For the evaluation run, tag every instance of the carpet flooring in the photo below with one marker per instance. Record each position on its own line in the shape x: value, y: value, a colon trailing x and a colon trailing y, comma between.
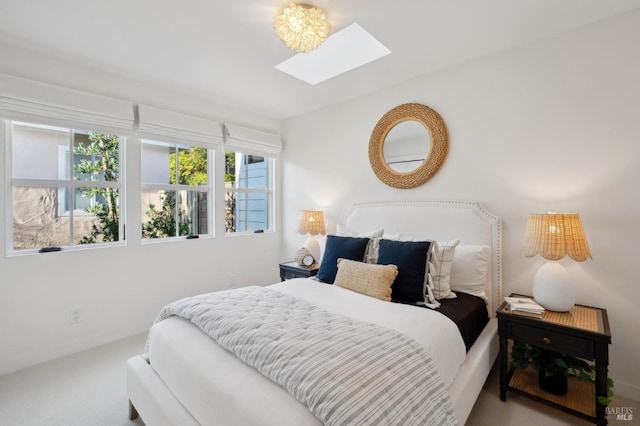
x: 89, y: 389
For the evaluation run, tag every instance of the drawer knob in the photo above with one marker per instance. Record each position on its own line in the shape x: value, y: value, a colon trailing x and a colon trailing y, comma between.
x: 546, y: 340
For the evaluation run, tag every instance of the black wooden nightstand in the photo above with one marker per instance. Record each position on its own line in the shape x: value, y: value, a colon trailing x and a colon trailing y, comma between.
x: 582, y: 332
x: 290, y: 270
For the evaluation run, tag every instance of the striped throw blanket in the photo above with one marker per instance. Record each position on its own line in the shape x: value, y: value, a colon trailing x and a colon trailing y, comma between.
x: 347, y: 372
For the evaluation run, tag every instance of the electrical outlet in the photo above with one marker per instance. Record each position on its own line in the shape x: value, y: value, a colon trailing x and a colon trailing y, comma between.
x: 75, y: 315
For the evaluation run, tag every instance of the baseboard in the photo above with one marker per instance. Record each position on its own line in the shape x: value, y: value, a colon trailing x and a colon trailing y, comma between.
x: 49, y: 354
x: 626, y: 389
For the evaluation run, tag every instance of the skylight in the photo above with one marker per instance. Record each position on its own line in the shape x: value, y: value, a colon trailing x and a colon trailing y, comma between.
x: 343, y: 51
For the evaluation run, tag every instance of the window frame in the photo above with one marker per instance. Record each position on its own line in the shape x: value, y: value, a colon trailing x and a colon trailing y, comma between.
x: 69, y: 184
x: 132, y: 123
x: 177, y: 187
x: 64, y: 154
x: 269, y: 191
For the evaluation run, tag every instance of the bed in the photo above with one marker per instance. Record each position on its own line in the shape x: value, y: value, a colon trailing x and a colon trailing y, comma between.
x: 189, y: 379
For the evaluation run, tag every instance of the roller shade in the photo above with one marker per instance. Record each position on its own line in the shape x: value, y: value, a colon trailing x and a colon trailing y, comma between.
x: 252, y: 141
x: 28, y: 100
x: 159, y: 124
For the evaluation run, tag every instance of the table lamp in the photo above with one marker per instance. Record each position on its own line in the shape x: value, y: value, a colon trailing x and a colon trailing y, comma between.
x: 553, y: 236
x: 311, y: 223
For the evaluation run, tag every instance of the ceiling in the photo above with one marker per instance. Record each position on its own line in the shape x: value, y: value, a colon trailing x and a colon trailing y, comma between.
x: 225, y: 51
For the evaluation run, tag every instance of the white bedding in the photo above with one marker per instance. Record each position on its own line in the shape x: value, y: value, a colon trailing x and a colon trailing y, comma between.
x: 240, y: 396
x: 435, y: 332
x: 210, y: 380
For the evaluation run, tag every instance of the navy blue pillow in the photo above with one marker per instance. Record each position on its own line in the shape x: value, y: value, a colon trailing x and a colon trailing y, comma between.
x: 411, y: 259
x: 351, y: 248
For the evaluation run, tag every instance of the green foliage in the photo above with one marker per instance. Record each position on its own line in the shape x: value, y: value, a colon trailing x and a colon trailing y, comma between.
x: 192, y: 169
x: 192, y: 164
x: 552, y: 362
x: 162, y: 223
x: 230, y: 167
x: 106, y: 230
x: 102, y: 165
x: 606, y: 400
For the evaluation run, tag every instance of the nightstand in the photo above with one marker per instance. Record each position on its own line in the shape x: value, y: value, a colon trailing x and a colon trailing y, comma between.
x: 290, y: 270
x: 582, y: 332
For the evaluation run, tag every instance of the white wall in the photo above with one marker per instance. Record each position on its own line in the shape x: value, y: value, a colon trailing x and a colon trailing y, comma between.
x: 551, y: 125
x: 120, y: 290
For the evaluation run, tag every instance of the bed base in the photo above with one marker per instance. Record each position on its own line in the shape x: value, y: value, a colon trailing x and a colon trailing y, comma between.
x: 150, y: 398
x: 133, y: 413
x: 469, y: 220
x: 474, y: 371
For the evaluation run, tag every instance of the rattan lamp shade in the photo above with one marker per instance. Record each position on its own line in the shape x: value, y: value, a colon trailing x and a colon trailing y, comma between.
x: 555, y: 235
x: 311, y: 222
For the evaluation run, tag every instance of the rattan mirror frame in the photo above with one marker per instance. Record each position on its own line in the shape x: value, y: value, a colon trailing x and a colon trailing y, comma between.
x: 434, y: 124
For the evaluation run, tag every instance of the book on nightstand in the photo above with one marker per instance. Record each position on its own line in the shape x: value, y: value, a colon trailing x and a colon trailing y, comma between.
x: 524, y: 306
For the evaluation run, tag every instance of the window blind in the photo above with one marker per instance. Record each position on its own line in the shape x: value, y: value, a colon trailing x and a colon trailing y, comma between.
x: 163, y: 125
x: 252, y: 141
x: 27, y: 100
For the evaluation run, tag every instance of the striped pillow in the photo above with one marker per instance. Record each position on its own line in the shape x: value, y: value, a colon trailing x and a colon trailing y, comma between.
x: 440, y: 268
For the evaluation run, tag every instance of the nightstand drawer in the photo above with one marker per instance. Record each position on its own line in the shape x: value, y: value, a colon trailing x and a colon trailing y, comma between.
x: 287, y: 275
x: 290, y: 270
x: 560, y: 342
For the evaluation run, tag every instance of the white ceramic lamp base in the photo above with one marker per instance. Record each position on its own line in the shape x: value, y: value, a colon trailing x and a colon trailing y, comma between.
x: 552, y: 288
x: 313, y: 246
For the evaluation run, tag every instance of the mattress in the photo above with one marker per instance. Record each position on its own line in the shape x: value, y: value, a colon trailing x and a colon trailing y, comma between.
x: 209, y: 381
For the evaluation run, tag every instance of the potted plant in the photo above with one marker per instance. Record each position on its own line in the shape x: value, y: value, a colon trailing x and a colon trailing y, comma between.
x: 554, y: 368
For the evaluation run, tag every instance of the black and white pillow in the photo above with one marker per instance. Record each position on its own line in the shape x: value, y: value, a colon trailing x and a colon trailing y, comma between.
x: 440, y: 268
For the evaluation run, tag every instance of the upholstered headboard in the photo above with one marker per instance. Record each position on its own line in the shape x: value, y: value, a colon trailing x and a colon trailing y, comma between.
x: 468, y: 221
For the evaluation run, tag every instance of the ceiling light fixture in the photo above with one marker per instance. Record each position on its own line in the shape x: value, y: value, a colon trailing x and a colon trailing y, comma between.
x: 302, y: 27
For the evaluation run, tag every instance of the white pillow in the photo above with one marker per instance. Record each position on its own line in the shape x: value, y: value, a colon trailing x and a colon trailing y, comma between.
x: 469, y: 270
x: 371, y: 253
x: 397, y: 237
x: 440, y: 268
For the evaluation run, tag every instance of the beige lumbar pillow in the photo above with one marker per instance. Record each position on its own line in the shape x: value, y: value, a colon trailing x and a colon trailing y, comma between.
x: 366, y: 278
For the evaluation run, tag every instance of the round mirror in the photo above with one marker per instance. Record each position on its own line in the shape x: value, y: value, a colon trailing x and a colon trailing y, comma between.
x: 408, y: 145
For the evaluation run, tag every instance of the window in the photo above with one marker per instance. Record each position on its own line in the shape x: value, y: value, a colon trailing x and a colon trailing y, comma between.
x: 65, y: 186
x: 248, y: 193
x: 176, y: 188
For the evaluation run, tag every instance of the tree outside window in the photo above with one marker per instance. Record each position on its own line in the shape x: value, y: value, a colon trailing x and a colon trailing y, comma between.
x: 64, y: 186
x: 175, y: 180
